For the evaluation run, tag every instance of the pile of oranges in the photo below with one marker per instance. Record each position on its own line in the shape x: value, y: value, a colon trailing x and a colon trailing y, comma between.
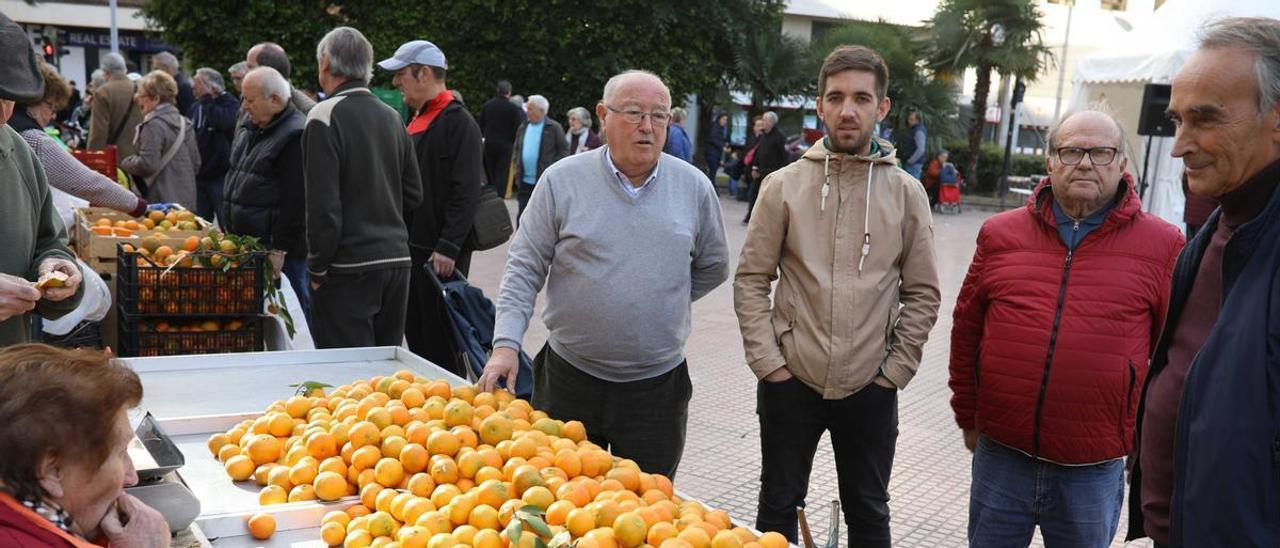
x: 436, y: 466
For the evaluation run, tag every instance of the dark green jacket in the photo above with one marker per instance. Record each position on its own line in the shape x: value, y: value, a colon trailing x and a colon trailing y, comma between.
x: 30, y: 229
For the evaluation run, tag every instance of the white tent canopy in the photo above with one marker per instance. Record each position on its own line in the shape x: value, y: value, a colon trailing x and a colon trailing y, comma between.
x: 1153, y: 53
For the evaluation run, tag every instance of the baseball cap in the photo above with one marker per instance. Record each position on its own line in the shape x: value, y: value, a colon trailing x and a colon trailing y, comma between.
x: 421, y: 52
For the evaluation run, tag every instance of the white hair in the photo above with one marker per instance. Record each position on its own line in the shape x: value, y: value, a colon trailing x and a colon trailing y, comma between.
x: 96, y: 79
x: 772, y: 117
x: 166, y: 61
x: 539, y: 102
x: 1259, y: 36
x: 113, y: 65
x: 241, y: 68
x: 273, y: 83
x: 350, y: 54
x: 583, y: 115
x: 211, y: 78
x: 617, y: 80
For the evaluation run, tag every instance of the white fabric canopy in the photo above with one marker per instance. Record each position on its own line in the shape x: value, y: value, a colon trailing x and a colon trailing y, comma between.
x: 1153, y: 53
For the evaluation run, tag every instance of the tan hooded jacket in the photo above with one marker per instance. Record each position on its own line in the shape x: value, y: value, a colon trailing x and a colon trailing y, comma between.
x: 858, y: 290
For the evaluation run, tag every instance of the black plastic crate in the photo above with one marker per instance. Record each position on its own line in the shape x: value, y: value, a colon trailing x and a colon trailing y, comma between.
x: 147, y: 288
x: 142, y: 336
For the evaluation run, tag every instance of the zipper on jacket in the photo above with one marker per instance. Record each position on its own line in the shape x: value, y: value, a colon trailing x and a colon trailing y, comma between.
x: 1053, y: 341
x: 1128, y: 399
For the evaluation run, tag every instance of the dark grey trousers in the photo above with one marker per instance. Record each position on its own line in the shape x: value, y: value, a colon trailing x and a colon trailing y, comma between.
x: 361, y: 309
x: 642, y: 420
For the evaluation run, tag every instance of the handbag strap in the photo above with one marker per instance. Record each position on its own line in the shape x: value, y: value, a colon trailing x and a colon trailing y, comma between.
x: 177, y: 143
x: 115, y: 134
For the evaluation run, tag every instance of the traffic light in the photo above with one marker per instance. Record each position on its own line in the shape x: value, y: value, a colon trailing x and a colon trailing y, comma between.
x: 49, y: 49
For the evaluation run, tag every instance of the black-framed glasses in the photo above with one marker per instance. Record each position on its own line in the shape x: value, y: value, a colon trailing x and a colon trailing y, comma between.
x: 1099, y: 156
x: 658, y: 118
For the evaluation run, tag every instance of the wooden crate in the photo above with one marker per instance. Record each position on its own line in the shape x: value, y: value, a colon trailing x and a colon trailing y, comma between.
x: 100, y: 250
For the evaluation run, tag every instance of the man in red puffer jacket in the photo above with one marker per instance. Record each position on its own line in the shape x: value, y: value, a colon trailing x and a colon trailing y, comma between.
x: 1052, y: 334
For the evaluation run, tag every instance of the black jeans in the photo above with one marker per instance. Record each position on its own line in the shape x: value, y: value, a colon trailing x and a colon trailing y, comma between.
x: 360, y: 309
x: 523, y: 192
x: 641, y: 420
x: 864, y: 431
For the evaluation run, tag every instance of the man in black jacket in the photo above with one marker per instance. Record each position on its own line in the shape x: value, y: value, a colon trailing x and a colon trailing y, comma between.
x: 214, y: 120
x: 357, y: 192
x: 266, y: 193
x: 448, y: 145
x: 499, y: 120
x: 771, y: 155
x: 167, y: 62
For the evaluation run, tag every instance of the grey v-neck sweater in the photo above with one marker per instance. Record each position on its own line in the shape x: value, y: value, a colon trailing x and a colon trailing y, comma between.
x: 620, y: 271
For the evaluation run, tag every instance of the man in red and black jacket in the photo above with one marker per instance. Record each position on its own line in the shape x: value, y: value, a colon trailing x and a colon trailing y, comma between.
x: 450, y: 153
x: 1052, y: 333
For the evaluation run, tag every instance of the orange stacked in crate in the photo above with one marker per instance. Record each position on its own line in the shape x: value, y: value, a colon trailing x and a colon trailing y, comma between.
x: 204, y: 296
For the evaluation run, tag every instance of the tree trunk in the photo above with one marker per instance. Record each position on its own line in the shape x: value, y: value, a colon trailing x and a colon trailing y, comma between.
x: 980, y: 92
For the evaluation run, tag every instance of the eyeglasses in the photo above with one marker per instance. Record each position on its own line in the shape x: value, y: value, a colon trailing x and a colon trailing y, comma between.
x: 1099, y: 156
x: 637, y: 116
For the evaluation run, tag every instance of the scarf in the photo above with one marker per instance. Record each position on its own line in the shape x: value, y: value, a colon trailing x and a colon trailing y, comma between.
x: 429, y: 111
x: 577, y: 140
x: 51, y: 512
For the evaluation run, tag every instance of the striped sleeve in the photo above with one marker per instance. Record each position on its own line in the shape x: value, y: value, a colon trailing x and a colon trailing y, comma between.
x: 69, y: 175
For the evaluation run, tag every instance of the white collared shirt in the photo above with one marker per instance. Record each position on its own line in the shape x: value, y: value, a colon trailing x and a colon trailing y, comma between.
x: 632, y: 190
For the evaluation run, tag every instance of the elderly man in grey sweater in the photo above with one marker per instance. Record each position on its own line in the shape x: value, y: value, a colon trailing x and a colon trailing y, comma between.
x: 624, y: 238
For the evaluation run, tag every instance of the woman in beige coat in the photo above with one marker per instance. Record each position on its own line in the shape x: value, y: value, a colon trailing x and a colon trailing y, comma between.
x: 167, y: 158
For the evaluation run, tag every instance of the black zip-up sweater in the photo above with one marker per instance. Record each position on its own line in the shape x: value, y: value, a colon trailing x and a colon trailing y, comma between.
x: 361, y: 176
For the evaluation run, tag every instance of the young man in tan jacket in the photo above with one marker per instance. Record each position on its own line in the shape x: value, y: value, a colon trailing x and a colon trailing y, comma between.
x: 851, y: 235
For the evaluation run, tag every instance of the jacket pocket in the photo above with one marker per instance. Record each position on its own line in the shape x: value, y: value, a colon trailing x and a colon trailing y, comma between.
x: 894, y: 312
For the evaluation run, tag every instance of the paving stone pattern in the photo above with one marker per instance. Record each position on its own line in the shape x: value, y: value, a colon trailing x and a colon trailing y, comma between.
x: 721, y: 466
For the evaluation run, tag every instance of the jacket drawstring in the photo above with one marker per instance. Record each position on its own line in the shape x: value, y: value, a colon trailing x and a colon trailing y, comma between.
x: 826, y: 182
x: 866, y: 222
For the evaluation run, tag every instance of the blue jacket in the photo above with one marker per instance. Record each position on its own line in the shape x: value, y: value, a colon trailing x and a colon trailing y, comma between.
x: 678, y: 143
x: 1226, y: 484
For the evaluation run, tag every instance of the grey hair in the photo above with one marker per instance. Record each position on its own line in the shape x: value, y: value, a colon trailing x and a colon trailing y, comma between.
x: 677, y: 115
x: 212, y: 79
x: 350, y: 54
x: 96, y: 79
x: 1052, y: 136
x: 113, y: 65
x: 273, y: 83
x: 772, y: 117
x: 1259, y: 36
x: 539, y: 102
x: 241, y: 68
x: 165, y: 60
x: 583, y: 114
x: 518, y: 100
x: 616, y: 81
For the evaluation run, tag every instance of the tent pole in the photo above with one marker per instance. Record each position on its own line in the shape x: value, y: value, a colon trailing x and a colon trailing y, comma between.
x: 1146, y: 157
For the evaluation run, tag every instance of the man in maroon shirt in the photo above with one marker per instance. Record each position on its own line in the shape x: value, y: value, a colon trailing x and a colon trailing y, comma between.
x: 1208, y: 457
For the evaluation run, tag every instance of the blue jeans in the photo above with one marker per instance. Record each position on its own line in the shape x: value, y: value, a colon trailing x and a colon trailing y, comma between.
x: 295, y: 268
x: 1011, y: 493
x: 914, y: 169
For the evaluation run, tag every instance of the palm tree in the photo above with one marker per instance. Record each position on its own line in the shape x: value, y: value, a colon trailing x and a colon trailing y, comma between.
x: 1003, y: 35
x: 772, y: 66
x: 911, y: 87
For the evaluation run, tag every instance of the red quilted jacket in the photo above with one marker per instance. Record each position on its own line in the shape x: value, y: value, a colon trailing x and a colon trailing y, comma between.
x: 1049, y: 350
